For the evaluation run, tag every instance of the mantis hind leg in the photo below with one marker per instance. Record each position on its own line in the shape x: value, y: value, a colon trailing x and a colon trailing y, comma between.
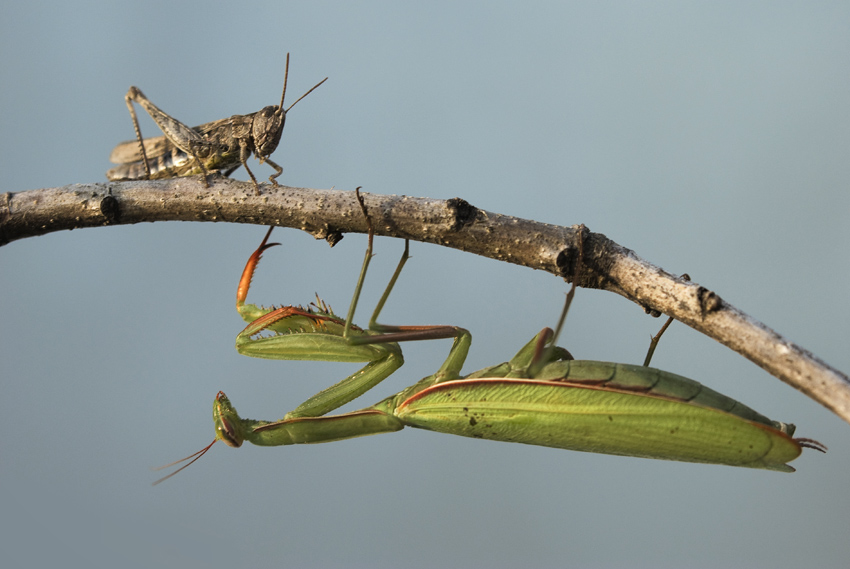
x: 653, y: 343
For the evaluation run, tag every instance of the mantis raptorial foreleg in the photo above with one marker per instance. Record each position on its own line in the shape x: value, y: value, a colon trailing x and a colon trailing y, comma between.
x: 542, y: 396
x: 316, y: 333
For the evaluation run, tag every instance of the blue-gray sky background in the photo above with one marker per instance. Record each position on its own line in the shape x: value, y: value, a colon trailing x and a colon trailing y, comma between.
x: 711, y: 138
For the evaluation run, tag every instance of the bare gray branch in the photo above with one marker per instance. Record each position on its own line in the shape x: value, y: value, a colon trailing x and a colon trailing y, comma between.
x: 327, y: 214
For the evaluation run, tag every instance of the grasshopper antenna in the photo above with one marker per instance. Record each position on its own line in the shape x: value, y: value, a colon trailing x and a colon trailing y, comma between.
x: 305, y: 94
x: 285, y: 77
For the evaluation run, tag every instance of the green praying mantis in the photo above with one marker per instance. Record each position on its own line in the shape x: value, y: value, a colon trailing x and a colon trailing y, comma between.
x: 542, y: 396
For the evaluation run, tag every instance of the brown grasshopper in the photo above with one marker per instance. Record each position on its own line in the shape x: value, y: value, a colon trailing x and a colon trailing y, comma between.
x: 221, y: 145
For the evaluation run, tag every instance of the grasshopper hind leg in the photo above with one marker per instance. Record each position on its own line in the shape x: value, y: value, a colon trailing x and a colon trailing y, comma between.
x: 133, y: 94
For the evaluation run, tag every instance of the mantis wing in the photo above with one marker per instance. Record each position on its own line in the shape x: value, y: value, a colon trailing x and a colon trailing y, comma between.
x: 597, y: 419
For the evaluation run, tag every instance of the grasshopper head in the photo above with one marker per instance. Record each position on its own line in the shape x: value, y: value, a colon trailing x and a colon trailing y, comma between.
x: 228, y: 425
x: 267, y: 128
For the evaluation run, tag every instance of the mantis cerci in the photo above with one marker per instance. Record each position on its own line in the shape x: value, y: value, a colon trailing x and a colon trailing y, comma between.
x: 542, y: 396
x: 221, y: 145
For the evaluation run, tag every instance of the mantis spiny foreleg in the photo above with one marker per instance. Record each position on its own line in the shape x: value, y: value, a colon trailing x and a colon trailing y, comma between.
x: 316, y: 333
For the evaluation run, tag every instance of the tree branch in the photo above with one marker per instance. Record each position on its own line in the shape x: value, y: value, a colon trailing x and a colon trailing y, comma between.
x: 327, y: 214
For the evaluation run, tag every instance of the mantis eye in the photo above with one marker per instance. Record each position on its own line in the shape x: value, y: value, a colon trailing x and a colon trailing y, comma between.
x: 225, y: 432
x: 228, y: 425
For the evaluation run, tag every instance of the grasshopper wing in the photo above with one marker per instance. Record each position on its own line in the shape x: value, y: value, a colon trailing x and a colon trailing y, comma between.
x: 128, y: 151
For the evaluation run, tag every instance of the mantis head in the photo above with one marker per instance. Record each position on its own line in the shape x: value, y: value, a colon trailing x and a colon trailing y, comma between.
x: 228, y: 428
x: 228, y: 425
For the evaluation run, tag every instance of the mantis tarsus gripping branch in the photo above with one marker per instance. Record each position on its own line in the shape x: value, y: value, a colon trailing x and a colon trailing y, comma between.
x: 542, y: 396
x: 222, y: 145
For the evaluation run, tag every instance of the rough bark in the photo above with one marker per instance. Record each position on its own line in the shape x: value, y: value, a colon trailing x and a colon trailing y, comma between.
x: 455, y: 223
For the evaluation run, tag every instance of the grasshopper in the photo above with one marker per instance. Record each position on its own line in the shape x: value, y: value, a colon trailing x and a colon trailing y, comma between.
x: 221, y: 145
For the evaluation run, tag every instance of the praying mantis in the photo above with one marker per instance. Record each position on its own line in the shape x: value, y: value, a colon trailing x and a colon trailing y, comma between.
x: 542, y: 396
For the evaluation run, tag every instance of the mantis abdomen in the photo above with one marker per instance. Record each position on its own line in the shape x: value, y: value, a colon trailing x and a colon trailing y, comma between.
x: 617, y: 409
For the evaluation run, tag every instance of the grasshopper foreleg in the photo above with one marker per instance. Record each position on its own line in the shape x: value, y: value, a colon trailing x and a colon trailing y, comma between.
x: 244, y: 154
x: 245, y: 149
